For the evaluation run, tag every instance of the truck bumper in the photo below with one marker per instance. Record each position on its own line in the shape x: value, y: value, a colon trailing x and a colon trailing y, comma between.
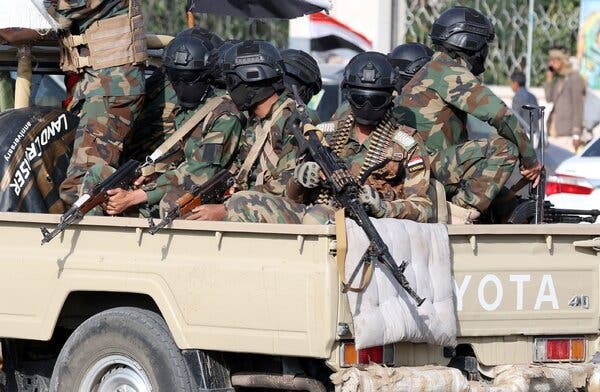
x: 505, y: 378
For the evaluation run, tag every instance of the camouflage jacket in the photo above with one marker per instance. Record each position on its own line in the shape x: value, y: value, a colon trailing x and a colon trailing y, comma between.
x: 443, y: 92
x: 276, y: 174
x: 156, y: 121
x: 402, y: 182
x: 109, y: 82
x: 211, y: 146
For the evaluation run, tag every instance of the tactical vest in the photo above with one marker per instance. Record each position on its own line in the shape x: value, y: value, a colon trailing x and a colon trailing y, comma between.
x: 111, y: 42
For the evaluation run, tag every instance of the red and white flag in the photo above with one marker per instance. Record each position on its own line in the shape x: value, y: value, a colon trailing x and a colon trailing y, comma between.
x: 328, y: 33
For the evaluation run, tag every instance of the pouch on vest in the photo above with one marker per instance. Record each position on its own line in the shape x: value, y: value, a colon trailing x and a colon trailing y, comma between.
x: 114, y: 41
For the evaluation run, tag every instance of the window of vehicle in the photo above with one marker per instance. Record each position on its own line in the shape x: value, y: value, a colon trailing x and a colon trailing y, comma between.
x: 326, y: 101
x: 593, y: 150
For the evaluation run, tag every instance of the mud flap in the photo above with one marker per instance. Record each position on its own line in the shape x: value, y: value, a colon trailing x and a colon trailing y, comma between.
x: 208, y: 371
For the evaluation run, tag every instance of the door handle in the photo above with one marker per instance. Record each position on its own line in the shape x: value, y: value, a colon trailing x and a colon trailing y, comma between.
x: 594, y: 243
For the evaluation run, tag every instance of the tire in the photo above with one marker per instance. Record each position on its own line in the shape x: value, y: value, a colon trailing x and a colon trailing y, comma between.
x: 121, y: 347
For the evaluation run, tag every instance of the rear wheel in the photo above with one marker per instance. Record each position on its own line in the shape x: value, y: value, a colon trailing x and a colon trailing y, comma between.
x: 121, y: 350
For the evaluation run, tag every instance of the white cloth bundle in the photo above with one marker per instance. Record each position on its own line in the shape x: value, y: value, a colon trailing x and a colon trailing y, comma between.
x: 384, y: 313
x: 30, y: 14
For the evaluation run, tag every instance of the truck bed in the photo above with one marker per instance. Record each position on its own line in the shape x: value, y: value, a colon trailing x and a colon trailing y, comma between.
x: 273, y: 289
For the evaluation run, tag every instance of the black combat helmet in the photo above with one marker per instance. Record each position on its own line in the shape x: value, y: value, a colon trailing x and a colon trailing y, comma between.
x: 211, y: 40
x: 368, y: 85
x: 253, y: 72
x: 407, y: 60
x: 184, y: 60
x: 302, y: 70
x: 214, y: 40
x: 215, y: 62
x: 466, y: 32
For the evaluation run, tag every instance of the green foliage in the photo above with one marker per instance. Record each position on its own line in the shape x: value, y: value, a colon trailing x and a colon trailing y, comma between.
x: 560, y: 28
x: 169, y: 17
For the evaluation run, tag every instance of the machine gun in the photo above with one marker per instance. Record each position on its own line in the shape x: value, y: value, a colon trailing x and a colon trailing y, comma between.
x: 536, y: 210
x: 123, y: 177
x: 563, y: 215
x: 525, y: 213
x: 211, y: 192
x: 345, y: 189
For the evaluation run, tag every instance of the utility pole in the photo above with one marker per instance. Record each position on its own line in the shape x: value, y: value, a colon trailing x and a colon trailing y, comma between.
x: 529, y: 43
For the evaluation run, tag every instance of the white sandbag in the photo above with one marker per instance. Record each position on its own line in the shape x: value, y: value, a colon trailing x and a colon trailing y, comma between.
x: 375, y: 378
x: 384, y: 313
x: 30, y: 14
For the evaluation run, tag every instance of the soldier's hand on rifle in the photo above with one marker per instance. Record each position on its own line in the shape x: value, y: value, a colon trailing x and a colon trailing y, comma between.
x: 120, y: 199
x: 533, y: 173
x: 370, y: 198
x: 208, y: 212
x: 141, y: 180
x: 308, y: 174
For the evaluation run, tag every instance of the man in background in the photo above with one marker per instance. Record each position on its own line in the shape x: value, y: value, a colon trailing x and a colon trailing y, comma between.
x: 523, y: 97
x: 565, y: 88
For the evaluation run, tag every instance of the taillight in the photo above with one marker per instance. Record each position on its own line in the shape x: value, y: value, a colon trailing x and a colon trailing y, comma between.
x: 349, y: 356
x: 561, y: 183
x: 559, y: 349
x: 371, y: 354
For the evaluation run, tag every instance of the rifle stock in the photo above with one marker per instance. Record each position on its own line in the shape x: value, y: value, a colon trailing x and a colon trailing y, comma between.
x: 121, y: 178
x: 187, y: 203
x: 211, y: 192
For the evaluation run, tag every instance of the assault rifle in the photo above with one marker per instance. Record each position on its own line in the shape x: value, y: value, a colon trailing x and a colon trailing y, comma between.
x: 532, y: 210
x: 345, y: 189
x: 121, y: 178
x: 211, y: 192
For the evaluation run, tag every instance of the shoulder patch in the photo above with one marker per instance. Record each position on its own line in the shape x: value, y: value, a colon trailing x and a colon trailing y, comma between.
x: 326, y: 127
x: 415, y: 164
x: 405, y: 141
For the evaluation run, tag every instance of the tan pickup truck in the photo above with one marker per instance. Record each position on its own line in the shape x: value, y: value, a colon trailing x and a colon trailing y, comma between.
x: 219, y: 306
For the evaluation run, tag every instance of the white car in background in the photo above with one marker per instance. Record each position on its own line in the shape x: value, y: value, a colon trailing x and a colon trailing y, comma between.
x: 576, y: 181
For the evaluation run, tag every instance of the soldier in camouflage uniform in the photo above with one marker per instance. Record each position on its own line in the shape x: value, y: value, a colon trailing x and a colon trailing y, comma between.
x: 302, y: 71
x: 443, y: 92
x: 407, y: 59
x: 215, y: 61
x: 106, y: 45
x: 156, y: 121
x: 214, y: 139
x: 387, y: 157
x: 254, y: 77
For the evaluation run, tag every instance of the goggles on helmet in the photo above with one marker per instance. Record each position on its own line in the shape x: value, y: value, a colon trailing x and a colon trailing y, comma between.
x: 360, y: 97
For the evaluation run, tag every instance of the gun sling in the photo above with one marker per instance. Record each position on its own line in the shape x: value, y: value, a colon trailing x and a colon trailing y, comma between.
x: 179, y: 134
x: 342, y: 249
x: 262, y: 135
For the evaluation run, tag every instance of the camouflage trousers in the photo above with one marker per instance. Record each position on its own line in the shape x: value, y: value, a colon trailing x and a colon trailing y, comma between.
x: 104, y: 124
x: 474, y: 172
x: 98, y: 173
x: 257, y: 207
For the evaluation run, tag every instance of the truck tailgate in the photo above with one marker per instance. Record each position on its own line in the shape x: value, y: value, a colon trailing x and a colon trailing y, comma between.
x: 525, y: 279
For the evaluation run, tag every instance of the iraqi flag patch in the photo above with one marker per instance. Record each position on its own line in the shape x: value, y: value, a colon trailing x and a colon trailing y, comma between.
x: 416, y: 163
